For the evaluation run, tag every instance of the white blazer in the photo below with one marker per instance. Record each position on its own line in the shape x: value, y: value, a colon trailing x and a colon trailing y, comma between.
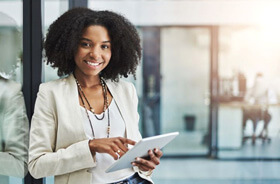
x: 58, y: 144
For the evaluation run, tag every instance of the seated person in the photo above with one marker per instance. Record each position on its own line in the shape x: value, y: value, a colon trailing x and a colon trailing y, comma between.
x: 256, y: 108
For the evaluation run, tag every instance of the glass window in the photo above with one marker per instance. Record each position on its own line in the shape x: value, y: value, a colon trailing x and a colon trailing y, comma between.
x: 185, y: 68
x: 51, y: 11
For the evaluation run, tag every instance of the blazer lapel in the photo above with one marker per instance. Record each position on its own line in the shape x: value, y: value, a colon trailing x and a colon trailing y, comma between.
x: 116, y: 93
x: 74, y: 105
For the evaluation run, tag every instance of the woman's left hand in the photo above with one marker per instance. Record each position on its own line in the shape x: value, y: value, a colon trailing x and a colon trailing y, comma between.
x: 150, y: 163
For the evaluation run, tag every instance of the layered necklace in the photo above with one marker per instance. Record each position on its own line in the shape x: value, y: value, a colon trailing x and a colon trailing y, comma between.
x: 106, y: 105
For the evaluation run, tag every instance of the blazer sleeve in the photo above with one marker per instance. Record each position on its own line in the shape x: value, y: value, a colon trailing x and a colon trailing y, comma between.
x: 135, y: 108
x: 44, y: 159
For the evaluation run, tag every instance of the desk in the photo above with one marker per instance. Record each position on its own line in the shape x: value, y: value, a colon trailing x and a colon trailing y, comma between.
x: 230, y: 125
x: 230, y: 116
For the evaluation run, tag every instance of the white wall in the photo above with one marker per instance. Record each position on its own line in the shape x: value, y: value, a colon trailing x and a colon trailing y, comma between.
x: 198, y: 12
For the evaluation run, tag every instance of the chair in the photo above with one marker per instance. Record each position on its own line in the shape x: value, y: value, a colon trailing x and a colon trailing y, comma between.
x: 256, y: 113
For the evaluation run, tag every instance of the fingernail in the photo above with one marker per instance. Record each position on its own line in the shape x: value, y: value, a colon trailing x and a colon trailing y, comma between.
x: 133, y: 163
x: 138, y: 159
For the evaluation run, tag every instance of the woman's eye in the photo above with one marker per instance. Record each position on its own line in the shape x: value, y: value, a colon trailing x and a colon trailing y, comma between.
x: 84, y: 44
x: 105, y: 47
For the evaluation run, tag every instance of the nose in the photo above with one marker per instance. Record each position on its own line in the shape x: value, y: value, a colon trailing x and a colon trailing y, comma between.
x: 95, y: 53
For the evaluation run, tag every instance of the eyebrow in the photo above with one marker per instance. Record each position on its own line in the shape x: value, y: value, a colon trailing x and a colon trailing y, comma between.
x: 91, y: 41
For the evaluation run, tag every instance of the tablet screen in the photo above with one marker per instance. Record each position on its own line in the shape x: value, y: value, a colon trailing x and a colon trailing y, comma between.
x: 141, y: 150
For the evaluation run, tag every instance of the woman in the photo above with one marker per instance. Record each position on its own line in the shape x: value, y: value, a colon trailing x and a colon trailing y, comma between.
x: 84, y: 122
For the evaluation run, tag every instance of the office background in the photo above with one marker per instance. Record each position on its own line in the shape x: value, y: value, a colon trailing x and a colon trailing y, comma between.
x: 200, y: 59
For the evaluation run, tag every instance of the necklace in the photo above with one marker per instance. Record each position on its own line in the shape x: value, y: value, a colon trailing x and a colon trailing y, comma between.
x: 106, y: 105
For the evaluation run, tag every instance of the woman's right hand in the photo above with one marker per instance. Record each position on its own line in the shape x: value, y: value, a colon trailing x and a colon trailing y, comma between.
x: 116, y: 146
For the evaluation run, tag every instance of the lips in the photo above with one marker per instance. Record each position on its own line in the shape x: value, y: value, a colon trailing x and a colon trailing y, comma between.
x: 92, y: 63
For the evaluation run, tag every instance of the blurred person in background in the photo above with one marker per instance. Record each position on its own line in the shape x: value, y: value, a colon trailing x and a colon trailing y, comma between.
x: 13, y: 120
x: 256, y: 109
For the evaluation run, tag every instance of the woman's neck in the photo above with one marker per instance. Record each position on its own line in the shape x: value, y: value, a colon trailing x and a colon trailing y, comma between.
x: 86, y: 80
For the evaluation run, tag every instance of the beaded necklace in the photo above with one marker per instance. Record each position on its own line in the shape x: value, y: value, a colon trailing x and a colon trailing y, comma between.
x: 106, y: 105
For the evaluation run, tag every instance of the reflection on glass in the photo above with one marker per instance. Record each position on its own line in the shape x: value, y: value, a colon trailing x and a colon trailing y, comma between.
x: 249, y: 110
x: 13, y: 120
x: 185, y: 67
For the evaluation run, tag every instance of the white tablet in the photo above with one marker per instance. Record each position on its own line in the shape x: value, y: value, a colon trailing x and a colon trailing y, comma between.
x: 141, y: 150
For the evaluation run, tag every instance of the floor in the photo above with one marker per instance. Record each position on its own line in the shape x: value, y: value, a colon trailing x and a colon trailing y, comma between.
x: 267, y: 150
x: 207, y: 171
x: 226, y: 170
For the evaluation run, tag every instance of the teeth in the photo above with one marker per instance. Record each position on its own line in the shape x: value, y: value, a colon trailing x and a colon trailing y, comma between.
x: 92, y: 64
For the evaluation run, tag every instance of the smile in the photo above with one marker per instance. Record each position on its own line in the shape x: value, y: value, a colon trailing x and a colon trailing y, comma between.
x: 92, y: 64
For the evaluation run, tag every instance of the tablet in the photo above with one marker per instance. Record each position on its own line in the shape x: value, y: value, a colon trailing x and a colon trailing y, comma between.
x: 141, y: 150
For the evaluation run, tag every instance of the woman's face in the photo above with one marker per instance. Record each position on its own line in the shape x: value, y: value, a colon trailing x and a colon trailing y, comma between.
x: 94, y: 51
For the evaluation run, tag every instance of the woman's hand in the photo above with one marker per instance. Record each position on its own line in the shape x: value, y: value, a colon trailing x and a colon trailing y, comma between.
x: 116, y: 146
x: 150, y: 163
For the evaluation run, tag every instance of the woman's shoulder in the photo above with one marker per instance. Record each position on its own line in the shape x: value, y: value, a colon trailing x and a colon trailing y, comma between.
x: 7, y: 84
x: 121, y: 84
x: 56, y: 84
x: 9, y: 88
x: 122, y: 88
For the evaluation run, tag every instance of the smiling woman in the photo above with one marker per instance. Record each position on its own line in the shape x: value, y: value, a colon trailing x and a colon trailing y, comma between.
x: 84, y: 122
x: 94, y: 51
x: 65, y: 35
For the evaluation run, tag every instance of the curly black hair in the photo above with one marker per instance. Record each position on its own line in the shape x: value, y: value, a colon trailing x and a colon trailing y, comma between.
x: 64, y: 36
